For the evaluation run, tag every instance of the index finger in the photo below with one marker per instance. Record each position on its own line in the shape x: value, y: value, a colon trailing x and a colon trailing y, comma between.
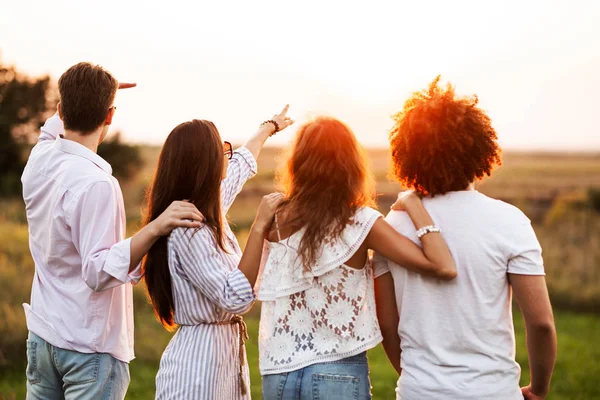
x: 285, y: 110
x: 125, y: 85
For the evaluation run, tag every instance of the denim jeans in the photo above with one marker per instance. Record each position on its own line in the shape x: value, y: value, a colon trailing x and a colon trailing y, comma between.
x: 54, y: 373
x: 346, y: 379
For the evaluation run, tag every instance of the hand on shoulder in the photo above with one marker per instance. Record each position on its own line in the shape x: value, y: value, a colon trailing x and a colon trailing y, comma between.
x: 406, y: 199
x: 266, y: 211
x: 178, y: 214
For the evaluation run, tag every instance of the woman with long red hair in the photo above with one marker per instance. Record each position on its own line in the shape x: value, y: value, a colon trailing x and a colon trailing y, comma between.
x: 318, y: 314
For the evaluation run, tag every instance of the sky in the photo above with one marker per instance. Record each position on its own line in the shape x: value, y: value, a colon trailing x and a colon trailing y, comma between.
x: 535, y: 65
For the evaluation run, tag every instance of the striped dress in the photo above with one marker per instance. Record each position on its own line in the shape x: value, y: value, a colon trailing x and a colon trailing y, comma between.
x: 202, y: 360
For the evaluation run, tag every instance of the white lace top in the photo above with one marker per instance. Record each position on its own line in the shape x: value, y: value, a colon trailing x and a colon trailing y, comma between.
x: 326, y: 314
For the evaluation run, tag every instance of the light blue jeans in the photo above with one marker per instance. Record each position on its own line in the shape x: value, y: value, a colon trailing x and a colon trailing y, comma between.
x: 346, y: 379
x: 54, y: 373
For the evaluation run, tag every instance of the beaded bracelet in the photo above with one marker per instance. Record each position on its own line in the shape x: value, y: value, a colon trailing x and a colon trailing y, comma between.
x: 275, y: 124
x: 428, y: 229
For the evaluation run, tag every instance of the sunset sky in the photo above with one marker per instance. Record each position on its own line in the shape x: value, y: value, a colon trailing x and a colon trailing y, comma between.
x: 535, y: 65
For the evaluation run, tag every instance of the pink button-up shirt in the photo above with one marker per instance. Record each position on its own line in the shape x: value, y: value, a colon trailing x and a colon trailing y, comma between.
x: 81, y: 297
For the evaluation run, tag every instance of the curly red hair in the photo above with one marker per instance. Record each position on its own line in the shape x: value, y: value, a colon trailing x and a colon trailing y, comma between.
x: 441, y: 143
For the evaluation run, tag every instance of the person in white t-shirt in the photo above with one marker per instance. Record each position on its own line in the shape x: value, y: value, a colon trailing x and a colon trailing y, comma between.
x: 455, y: 340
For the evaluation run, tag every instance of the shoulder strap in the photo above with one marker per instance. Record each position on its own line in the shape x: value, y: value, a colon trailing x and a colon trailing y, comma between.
x: 277, y: 227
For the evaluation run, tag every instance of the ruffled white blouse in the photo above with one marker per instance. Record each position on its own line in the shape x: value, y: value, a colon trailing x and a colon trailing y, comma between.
x: 323, y: 315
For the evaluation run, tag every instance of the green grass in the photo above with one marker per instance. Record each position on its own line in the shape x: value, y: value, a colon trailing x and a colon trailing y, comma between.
x: 543, y: 185
x: 575, y: 377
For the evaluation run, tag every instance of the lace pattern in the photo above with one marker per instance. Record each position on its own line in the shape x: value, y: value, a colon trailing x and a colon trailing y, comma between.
x: 326, y: 315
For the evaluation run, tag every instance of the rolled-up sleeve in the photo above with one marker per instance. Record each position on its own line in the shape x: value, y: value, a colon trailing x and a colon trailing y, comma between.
x: 96, y: 233
x: 203, y: 265
x: 52, y: 128
x: 119, y: 256
x: 242, y: 167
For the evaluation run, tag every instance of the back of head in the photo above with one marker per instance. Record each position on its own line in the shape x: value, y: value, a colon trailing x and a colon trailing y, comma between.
x: 441, y: 143
x: 86, y: 94
x: 326, y: 179
x: 190, y: 167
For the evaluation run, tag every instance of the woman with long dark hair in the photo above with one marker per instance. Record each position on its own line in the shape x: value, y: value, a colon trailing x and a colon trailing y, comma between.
x: 198, y: 279
x: 318, y: 315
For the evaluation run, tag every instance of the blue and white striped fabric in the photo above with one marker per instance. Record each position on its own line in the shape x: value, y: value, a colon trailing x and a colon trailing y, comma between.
x: 202, y: 361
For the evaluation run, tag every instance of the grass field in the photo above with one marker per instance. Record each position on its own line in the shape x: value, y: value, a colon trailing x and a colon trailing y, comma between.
x: 575, y: 377
x: 550, y: 188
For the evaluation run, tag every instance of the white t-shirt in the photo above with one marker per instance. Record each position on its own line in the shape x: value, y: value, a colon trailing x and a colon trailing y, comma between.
x: 457, y: 337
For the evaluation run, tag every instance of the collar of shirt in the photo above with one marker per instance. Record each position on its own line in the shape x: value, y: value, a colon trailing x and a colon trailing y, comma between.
x: 71, y: 147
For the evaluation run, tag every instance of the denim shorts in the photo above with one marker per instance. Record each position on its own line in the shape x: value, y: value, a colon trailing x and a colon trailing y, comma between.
x: 346, y: 379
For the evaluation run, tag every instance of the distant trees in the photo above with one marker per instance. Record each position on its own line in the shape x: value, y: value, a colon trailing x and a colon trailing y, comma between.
x: 124, y: 158
x: 594, y: 199
x: 25, y: 103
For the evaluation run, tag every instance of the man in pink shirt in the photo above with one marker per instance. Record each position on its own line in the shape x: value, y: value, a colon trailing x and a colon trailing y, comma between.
x: 80, y: 319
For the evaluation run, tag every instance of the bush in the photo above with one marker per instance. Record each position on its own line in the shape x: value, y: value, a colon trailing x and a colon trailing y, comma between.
x: 24, y: 103
x: 594, y: 199
x: 125, y: 159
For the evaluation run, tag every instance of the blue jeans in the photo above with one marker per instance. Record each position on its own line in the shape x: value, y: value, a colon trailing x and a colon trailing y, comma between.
x: 54, y: 373
x: 346, y: 379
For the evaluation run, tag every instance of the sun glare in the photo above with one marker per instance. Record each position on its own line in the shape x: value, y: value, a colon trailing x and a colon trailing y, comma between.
x: 357, y: 62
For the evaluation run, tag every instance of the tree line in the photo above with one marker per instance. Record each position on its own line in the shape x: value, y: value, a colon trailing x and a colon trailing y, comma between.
x: 25, y: 103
